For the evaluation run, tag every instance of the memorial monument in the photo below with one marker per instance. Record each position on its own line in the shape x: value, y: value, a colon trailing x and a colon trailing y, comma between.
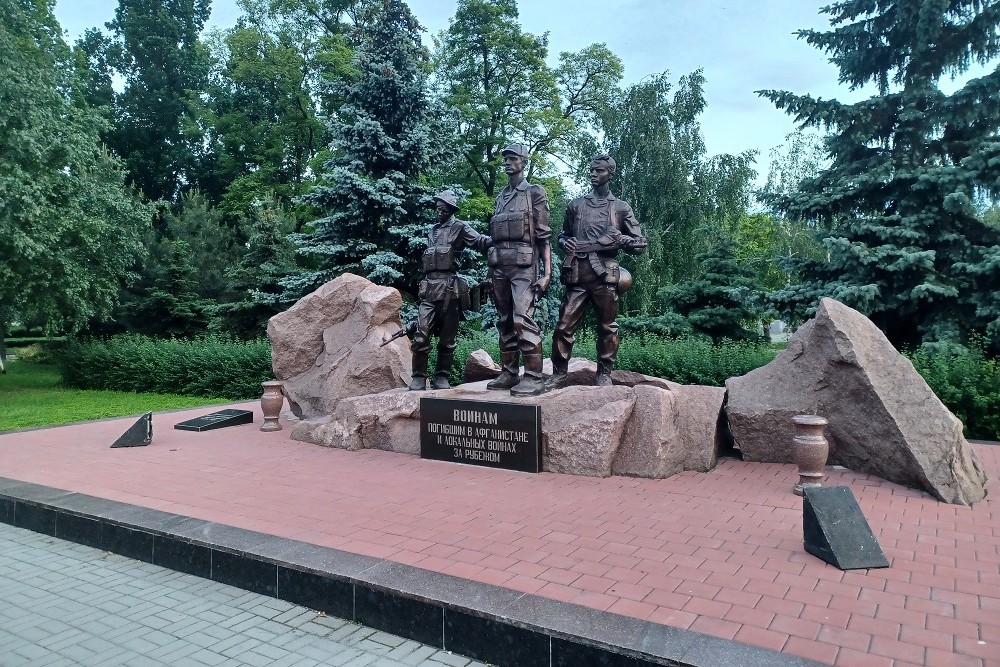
x: 520, y: 232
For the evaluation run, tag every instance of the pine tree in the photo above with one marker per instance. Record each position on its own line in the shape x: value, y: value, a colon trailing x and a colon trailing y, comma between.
x: 256, y: 277
x: 387, y: 138
x: 904, y: 238
x: 723, y: 300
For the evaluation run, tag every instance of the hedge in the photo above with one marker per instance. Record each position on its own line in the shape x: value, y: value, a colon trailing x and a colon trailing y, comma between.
x: 967, y: 381
x: 208, y: 366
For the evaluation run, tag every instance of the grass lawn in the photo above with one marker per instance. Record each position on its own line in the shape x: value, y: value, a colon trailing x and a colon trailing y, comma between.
x: 31, y: 395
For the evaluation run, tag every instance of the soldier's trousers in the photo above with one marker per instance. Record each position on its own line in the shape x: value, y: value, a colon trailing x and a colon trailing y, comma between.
x: 433, y: 318
x: 604, y: 297
x: 515, y: 304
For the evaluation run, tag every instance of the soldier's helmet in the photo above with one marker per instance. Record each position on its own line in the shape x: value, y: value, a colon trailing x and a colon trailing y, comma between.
x: 624, y: 280
x: 448, y: 197
x: 517, y: 149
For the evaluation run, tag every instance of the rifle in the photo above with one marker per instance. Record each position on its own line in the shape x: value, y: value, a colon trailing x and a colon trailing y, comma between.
x: 408, y: 330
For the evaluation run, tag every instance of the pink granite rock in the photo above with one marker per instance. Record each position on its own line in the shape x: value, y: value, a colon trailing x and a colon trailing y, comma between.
x: 586, y: 430
x: 884, y: 419
x: 583, y: 428
x: 389, y: 421
x: 671, y: 431
x: 326, y: 346
x: 480, y: 366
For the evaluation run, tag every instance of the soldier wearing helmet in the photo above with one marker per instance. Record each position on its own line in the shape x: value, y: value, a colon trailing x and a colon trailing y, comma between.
x: 520, y: 232
x: 444, y: 296
x: 596, y: 227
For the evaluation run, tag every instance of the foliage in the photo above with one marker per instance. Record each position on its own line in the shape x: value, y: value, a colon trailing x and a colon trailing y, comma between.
x: 184, y: 275
x: 155, y: 48
x: 69, y: 229
x: 905, y: 243
x: 767, y: 242
x: 694, y: 360
x: 269, y: 83
x: 387, y: 138
x: 493, y: 75
x: 32, y: 396
x: 208, y: 366
x: 721, y: 302
x: 967, y: 381
x: 803, y: 156
x: 256, y: 278
x: 676, y: 191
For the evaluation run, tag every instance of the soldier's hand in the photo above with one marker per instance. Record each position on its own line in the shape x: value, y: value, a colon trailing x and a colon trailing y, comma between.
x: 541, y: 286
x: 569, y: 244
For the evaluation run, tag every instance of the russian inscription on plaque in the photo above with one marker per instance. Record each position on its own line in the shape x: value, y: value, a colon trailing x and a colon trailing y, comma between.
x: 484, y: 433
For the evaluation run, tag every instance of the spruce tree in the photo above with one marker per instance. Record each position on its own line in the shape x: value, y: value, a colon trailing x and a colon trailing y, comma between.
x: 256, y: 278
x: 387, y: 138
x: 905, y: 242
x: 724, y: 302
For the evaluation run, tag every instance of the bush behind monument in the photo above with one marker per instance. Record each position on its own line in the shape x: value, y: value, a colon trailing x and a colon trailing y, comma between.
x: 966, y: 380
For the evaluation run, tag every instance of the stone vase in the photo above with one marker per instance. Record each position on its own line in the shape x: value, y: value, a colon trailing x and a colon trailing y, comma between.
x: 809, y: 450
x: 271, y: 402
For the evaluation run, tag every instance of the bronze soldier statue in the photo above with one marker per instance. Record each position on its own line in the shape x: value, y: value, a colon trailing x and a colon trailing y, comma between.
x: 444, y: 296
x: 520, y: 231
x: 596, y: 227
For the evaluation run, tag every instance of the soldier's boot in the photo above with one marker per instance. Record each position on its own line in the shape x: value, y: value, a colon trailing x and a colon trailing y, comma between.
x: 603, y: 376
x: 444, y: 362
x: 558, y: 379
x: 532, y: 384
x: 418, y: 372
x: 508, y: 376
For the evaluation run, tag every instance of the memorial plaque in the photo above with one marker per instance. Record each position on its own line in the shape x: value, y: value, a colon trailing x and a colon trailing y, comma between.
x: 139, y: 434
x: 483, y: 433
x: 835, y: 530
x: 220, y: 419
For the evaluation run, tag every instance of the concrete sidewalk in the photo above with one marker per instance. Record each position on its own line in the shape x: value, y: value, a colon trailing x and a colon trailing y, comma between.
x: 717, y: 553
x: 66, y: 604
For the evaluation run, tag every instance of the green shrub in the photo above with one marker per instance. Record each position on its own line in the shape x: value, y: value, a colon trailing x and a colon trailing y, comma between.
x: 968, y: 382
x: 208, y: 366
x: 692, y: 360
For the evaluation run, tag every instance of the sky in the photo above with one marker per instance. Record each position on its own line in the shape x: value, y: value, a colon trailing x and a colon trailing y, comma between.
x: 741, y: 46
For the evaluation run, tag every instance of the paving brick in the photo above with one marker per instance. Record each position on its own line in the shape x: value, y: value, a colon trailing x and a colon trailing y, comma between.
x: 102, y: 637
x: 710, y: 535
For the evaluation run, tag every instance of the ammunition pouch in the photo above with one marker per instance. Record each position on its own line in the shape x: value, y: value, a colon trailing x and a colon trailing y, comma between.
x: 612, y: 267
x: 465, y: 299
x: 509, y: 226
x: 438, y: 258
x: 519, y: 254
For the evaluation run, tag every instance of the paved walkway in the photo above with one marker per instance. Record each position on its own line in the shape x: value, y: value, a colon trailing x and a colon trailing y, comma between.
x: 66, y: 604
x: 719, y: 553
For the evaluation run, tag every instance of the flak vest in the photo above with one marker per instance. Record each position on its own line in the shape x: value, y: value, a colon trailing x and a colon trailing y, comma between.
x: 512, y: 229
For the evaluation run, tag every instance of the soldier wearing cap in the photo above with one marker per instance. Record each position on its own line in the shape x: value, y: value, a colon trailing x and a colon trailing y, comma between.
x: 596, y: 227
x: 444, y: 296
x: 520, y: 232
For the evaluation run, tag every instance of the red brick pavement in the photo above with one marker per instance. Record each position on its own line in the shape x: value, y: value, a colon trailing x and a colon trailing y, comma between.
x: 719, y: 553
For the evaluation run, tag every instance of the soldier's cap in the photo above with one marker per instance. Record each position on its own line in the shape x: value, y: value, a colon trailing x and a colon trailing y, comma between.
x: 517, y: 149
x: 448, y: 197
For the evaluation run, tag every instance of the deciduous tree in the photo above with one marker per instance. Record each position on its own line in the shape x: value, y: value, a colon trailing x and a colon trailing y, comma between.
x: 69, y: 228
